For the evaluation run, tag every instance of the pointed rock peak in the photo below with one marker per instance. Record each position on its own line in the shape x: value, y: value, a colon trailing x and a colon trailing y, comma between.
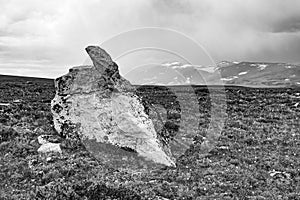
x: 101, y: 59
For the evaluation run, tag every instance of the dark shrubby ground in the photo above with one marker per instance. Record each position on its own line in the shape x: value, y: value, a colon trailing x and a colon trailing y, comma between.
x: 256, y: 157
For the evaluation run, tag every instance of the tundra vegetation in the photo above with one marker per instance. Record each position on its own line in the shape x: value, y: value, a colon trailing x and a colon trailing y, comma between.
x: 256, y: 156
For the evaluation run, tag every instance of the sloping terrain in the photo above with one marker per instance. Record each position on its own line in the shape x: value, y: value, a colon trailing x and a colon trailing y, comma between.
x: 230, y: 73
x: 12, y: 79
x: 256, y: 157
x: 260, y: 74
x: 167, y: 74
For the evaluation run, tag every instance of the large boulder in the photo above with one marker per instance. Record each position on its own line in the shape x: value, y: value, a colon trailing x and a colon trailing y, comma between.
x: 96, y: 105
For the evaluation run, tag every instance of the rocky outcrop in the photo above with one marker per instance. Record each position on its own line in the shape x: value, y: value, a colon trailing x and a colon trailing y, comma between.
x: 96, y: 105
x: 48, y: 144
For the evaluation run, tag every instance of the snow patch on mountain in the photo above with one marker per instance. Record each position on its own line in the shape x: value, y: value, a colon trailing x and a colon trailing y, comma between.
x: 188, y: 81
x: 230, y: 78
x: 242, y: 73
x: 262, y: 67
x: 170, y: 64
x: 289, y: 66
x: 181, y: 66
x: 224, y: 63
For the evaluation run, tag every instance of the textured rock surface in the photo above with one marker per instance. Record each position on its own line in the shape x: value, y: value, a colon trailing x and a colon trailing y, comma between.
x: 43, y: 139
x: 98, y: 106
x: 48, y: 143
x: 50, y: 147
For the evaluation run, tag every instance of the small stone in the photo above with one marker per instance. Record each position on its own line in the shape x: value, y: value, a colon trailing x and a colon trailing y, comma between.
x: 41, y: 139
x: 35, y: 123
x: 50, y: 147
x: 17, y: 101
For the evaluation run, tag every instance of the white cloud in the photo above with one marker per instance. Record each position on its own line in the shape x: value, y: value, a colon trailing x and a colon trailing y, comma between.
x: 58, y: 30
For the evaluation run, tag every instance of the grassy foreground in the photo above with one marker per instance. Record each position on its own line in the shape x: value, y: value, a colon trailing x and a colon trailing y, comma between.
x: 257, y: 155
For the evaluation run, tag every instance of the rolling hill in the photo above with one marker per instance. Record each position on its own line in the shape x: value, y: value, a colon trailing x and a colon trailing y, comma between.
x: 258, y: 74
x: 251, y: 74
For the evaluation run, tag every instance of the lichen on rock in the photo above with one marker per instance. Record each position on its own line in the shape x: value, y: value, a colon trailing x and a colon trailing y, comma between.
x: 96, y: 105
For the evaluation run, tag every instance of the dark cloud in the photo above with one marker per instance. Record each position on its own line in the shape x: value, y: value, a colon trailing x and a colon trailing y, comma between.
x: 291, y: 25
x: 59, y: 30
x: 286, y: 51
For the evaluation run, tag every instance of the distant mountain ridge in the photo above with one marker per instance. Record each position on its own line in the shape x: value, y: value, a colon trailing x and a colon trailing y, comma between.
x: 12, y: 78
x: 260, y: 74
x: 251, y: 74
x: 257, y: 74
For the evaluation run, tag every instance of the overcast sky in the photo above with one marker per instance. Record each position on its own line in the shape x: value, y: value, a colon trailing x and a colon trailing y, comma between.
x: 45, y: 38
